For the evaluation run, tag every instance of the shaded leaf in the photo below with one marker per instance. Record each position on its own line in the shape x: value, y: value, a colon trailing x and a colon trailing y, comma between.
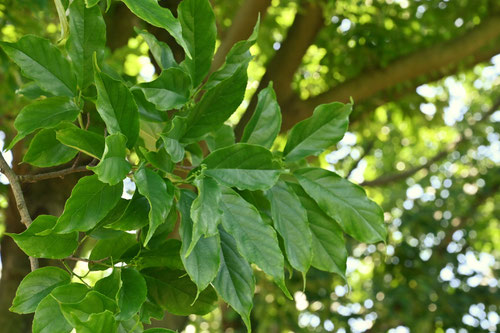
x: 87, y: 142
x: 161, y: 51
x: 171, y: 90
x: 46, y: 151
x: 132, y: 293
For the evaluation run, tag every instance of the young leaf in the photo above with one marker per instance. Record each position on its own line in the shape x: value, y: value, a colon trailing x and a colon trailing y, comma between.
x: 169, y: 91
x: 345, y: 202
x: 161, y: 51
x: 323, y: 129
x: 87, y: 142
x: 175, y: 292
x: 243, y: 166
x: 132, y: 293
x: 113, y: 167
x: 265, y: 124
x: 235, y: 282
x: 102, y: 322
x: 239, y: 55
x: 256, y: 241
x: 46, y: 151
x: 199, y: 32
x: 87, y: 35
x: 151, y: 12
x: 159, y: 195
x: 200, y: 256
x: 328, y: 245
x: 51, y: 246
x: 290, y: 220
x: 116, y: 106
x: 42, y: 62
x: 90, y: 202
x: 35, y: 286
x: 205, y: 211
x: 216, y: 106
x: 45, y: 113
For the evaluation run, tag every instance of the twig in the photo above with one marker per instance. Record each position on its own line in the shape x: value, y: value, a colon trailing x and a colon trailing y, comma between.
x: 87, y: 260
x: 51, y: 175
x: 21, y: 203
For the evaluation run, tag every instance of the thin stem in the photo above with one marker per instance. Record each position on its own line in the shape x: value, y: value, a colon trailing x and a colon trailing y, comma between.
x: 21, y: 203
x: 51, y: 175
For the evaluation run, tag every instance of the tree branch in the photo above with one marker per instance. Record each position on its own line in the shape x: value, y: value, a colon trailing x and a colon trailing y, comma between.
x: 50, y: 175
x: 21, y: 203
x: 477, y: 45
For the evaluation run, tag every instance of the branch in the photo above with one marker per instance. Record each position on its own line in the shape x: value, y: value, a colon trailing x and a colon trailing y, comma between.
x: 477, y: 45
x: 21, y: 203
x: 384, y: 180
x: 282, y: 67
x: 51, y: 175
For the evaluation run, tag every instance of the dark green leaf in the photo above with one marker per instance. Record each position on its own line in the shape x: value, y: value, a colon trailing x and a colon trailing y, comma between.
x: 314, y: 135
x: 329, y: 252
x: 31, y: 90
x: 166, y: 254
x: 175, y: 292
x: 205, y: 211
x: 113, y: 167
x: 200, y: 256
x: 216, y: 106
x: 44, y: 63
x: 93, y: 302
x: 256, y: 241
x: 116, y: 106
x: 265, y: 124
x: 151, y: 12
x: 131, y: 294
x: 35, y: 286
x: 150, y: 310
x: 109, y: 285
x: 345, y: 202
x: 147, y: 110
x: 135, y: 215
x: 220, y: 138
x: 52, y: 245
x: 199, y: 32
x: 244, y: 166
x: 159, y: 195
x: 161, y: 51
x: 235, y: 282
x: 90, y: 202
x: 88, y: 142
x: 102, y: 322
x: 158, y: 159
x: 87, y: 35
x: 112, y: 248
x: 46, y: 151
x: 45, y: 113
x: 169, y: 91
x: 290, y: 220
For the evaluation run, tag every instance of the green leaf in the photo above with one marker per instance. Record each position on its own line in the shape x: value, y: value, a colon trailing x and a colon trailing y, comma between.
x: 169, y: 91
x: 147, y: 110
x: 159, y: 195
x: 113, y: 167
x: 244, y: 166
x: 235, y: 282
x: 256, y: 241
x: 150, y: 310
x: 151, y: 12
x: 315, y: 134
x: 87, y: 36
x: 93, y: 302
x: 48, y: 315
x: 290, y: 220
x: 46, y: 151
x: 32, y: 91
x: 265, y: 124
x: 345, y: 202
x: 88, y: 142
x: 328, y: 245
x: 35, y: 286
x: 238, y: 56
x: 135, y: 215
x: 161, y: 51
x: 112, y: 248
x: 174, y: 292
x: 199, y: 32
x: 159, y: 159
x: 91, y: 3
x: 162, y: 232
x: 109, y: 285
x: 200, y: 256
x: 132, y: 293
x: 216, y: 106
x: 45, y: 113
x: 89, y: 203
x: 223, y: 137
x: 166, y: 255
x: 133, y: 325
x: 42, y: 62
x: 171, y: 139
x: 205, y: 211
x: 103, y: 322
x: 116, y: 106
x: 51, y: 246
